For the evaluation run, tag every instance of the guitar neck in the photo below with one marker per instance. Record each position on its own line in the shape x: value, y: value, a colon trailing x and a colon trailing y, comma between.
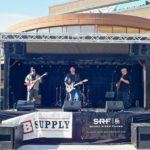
x: 39, y: 78
x: 76, y: 84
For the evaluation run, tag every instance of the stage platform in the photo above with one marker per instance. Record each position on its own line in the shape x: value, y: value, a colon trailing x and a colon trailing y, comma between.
x: 89, y: 127
x: 134, y: 110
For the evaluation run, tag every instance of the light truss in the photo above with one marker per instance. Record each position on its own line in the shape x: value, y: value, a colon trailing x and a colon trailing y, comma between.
x: 75, y: 37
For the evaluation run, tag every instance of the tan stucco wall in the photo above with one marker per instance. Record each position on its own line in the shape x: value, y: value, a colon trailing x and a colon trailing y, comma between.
x: 140, y: 12
x: 82, y: 5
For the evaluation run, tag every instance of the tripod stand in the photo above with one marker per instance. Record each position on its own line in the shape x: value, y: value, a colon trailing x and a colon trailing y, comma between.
x: 58, y: 96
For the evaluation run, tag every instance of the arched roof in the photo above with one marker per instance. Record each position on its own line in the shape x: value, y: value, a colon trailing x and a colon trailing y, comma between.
x: 82, y: 19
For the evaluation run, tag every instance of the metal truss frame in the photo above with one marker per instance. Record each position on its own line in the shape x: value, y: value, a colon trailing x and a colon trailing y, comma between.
x: 74, y: 37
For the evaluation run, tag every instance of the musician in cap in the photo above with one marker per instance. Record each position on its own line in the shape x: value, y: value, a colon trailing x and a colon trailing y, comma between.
x: 72, y: 79
x: 123, y: 88
x: 32, y: 81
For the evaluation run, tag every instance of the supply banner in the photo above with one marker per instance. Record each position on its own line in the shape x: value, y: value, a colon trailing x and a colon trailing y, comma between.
x: 44, y: 124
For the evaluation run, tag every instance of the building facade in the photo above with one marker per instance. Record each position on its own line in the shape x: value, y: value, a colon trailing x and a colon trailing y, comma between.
x: 108, y: 16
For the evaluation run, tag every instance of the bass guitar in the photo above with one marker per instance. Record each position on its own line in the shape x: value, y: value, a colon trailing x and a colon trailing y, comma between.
x: 118, y: 85
x: 72, y: 86
x: 31, y: 84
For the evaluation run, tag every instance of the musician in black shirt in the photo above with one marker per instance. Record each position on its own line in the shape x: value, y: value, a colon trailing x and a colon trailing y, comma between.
x: 123, y: 88
x: 70, y: 80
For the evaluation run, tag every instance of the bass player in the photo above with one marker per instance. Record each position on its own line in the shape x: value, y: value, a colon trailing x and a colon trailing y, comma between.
x: 123, y: 88
x: 32, y: 81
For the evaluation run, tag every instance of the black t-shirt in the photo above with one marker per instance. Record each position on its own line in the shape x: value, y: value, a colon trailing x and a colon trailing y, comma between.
x: 70, y: 78
x: 123, y: 86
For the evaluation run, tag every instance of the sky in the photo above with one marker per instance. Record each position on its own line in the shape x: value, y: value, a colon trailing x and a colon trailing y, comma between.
x: 15, y: 11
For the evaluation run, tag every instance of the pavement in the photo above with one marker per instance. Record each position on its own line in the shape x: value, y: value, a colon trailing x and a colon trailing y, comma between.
x: 78, y: 147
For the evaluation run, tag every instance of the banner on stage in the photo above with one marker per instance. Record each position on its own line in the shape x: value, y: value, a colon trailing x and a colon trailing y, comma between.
x: 105, y: 125
x: 44, y: 125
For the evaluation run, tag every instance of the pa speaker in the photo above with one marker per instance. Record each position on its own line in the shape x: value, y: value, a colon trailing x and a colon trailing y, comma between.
x: 114, y: 105
x: 23, y: 105
x: 140, y: 135
x: 11, y: 136
x: 72, y: 105
x: 15, y: 48
x: 140, y: 50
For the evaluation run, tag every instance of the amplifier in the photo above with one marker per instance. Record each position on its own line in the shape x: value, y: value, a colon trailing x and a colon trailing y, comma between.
x: 23, y: 105
x: 140, y: 135
x: 114, y: 105
x: 72, y: 105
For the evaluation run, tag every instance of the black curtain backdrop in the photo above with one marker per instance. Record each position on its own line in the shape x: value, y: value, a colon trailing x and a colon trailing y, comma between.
x: 102, y: 78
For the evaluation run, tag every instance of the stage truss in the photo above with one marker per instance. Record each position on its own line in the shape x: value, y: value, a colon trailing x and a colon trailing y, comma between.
x: 75, y: 37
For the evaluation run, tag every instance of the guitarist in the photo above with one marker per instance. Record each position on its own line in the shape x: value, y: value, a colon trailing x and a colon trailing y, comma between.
x: 123, y: 88
x: 70, y: 79
x: 33, y: 93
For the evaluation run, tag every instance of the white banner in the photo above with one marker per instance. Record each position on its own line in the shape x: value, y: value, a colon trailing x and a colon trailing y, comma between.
x: 44, y: 125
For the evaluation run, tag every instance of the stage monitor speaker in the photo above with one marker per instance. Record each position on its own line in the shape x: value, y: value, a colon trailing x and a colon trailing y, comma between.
x: 140, y: 135
x: 72, y: 105
x: 23, y: 105
x: 11, y: 136
x: 114, y: 105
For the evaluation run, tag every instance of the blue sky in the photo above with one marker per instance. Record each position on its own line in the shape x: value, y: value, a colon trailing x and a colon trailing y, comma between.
x: 15, y: 11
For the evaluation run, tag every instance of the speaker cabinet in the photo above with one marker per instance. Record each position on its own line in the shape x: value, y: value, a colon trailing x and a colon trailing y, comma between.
x: 140, y: 50
x: 140, y: 135
x: 72, y: 105
x: 114, y: 105
x: 11, y: 137
x: 15, y: 48
x: 23, y: 105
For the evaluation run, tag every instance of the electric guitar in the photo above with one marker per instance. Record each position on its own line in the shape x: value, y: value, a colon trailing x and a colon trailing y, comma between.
x: 72, y: 86
x: 31, y: 84
x: 118, y: 84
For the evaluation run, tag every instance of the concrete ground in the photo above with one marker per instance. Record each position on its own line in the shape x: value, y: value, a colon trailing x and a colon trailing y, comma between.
x: 78, y: 147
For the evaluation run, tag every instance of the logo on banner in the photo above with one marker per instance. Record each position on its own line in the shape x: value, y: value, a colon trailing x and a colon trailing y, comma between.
x: 40, y: 124
x: 107, y: 122
x: 27, y: 127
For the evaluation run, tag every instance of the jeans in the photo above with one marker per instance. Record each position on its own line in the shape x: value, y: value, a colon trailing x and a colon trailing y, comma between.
x: 74, y: 95
x: 32, y: 95
x: 124, y: 96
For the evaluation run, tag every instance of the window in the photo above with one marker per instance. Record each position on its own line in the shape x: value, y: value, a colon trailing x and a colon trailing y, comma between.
x: 44, y: 30
x: 88, y: 29
x: 56, y: 30
x: 73, y: 29
x: 119, y: 29
x: 105, y: 29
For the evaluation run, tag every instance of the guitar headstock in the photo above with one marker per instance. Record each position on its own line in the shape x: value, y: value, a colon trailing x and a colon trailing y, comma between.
x: 46, y: 73
x: 85, y: 80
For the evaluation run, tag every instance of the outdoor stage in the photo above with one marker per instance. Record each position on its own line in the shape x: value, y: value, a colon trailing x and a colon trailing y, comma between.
x: 98, y: 58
